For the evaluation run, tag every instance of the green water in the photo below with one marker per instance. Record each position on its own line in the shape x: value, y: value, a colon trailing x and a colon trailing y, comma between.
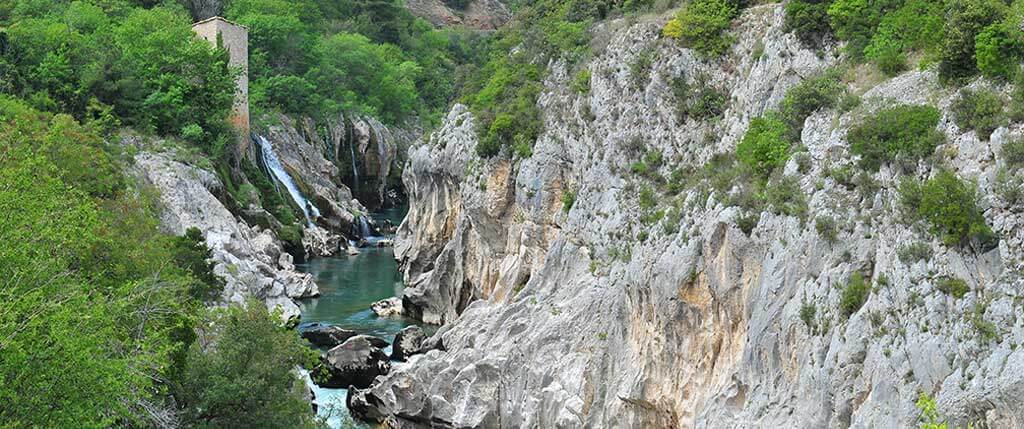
x: 348, y: 285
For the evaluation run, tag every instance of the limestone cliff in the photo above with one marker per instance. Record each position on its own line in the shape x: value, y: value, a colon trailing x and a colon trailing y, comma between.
x: 249, y: 259
x: 589, y: 318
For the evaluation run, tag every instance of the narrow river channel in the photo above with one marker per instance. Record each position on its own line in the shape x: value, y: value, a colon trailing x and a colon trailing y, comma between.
x: 348, y: 285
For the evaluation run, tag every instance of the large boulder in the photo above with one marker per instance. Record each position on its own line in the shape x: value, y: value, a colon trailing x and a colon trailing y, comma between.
x: 356, y: 362
x: 377, y: 342
x: 387, y: 307
x: 408, y: 341
x: 326, y: 336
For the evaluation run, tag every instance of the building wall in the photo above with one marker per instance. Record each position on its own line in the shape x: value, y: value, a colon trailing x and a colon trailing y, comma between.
x: 236, y: 39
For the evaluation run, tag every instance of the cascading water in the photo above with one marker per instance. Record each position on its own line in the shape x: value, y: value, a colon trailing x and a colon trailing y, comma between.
x: 355, y: 172
x: 279, y: 173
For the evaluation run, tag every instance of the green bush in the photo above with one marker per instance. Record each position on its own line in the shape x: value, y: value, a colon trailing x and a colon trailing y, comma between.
x: 808, y: 19
x: 855, y: 21
x: 702, y: 26
x: 242, y: 373
x: 640, y: 69
x: 949, y: 205
x: 896, y: 133
x: 952, y: 286
x: 855, y: 294
x: 998, y: 50
x: 647, y: 198
x: 827, y: 228
x: 581, y: 82
x: 764, y: 147
x: 568, y: 200
x: 807, y: 313
x: 980, y: 110
x: 916, y: 25
x: 822, y: 91
x: 1013, y: 153
x: 784, y: 196
x: 913, y: 252
x: 700, y: 101
x: 965, y: 19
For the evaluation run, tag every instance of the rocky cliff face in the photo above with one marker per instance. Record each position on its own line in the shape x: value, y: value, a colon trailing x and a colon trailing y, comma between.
x: 249, y: 259
x: 590, y: 318
x: 349, y: 157
x: 476, y: 14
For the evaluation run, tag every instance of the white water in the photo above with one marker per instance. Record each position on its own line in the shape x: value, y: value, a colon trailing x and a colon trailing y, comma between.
x: 270, y: 158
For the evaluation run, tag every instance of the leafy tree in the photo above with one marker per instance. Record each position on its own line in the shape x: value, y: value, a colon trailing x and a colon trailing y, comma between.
x: 240, y: 373
x: 998, y: 49
x: 808, y: 19
x: 964, y: 21
x: 949, y: 205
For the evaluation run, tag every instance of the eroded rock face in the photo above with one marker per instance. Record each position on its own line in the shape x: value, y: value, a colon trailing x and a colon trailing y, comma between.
x: 356, y: 362
x: 408, y: 342
x: 478, y: 14
x: 354, y: 158
x: 249, y: 259
x: 562, y: 319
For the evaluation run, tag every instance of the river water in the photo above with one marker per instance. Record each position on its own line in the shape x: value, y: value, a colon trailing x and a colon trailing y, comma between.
x: 348, y: 285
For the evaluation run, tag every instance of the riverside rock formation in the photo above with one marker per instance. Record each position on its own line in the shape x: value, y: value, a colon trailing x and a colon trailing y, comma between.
x: 249, y: 259
x: 346, y: 158
x: 590, y: 318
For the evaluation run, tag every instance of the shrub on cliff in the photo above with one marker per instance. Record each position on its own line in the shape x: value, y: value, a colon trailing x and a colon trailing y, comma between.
x: 949, y: 206
x: 966, y: 19
x: 905, y: 133
x: 702, y: 25
x: 808, y: 19
x: 855, y: 294
x: 764, y: 147
x: 980, y: 110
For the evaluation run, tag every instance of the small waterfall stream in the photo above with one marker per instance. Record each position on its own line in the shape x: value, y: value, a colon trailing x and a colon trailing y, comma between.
x: 275, y: 167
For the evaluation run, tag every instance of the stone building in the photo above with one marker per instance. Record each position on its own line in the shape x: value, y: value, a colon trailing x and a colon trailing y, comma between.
x: 234, y: 38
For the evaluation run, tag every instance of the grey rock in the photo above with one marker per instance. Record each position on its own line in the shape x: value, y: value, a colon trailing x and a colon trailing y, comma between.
x: 555, y: 319
x: 326, y: 336
x: 356, y: 362
x: 249, y: 259
x: 387, y: 307
x: 409, y: 341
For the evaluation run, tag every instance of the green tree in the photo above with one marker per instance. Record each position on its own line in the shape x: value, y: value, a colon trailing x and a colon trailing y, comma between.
x: 240, y: 373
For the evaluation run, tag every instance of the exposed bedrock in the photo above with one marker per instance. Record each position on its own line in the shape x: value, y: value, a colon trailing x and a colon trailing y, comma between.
x: 571, y: 319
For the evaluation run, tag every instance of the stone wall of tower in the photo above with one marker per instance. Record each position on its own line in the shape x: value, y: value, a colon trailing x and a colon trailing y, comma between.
x: 235, y: 38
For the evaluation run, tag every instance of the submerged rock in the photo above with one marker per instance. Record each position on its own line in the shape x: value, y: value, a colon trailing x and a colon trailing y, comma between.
x: 387, y: 307
x: 408, y: 342
x: 326, y: 336
x: 356, y: 362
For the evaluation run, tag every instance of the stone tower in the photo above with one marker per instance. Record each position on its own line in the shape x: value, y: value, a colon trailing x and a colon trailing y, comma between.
x: 235, y: 38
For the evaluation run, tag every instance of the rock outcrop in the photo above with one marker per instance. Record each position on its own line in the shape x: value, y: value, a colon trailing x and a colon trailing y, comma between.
x: 356, y: 362
x: 477, y: 14
x: 249, y: 259
x: 325, y: 336
x: 591, y: 317
x: 408, y: 342
x: 340, y: 161
x: 387, y: 307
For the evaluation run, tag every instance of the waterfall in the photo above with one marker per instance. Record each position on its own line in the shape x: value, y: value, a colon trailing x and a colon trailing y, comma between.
x: 355, y: 173
x: 364, y: 227
x: 279, y: 173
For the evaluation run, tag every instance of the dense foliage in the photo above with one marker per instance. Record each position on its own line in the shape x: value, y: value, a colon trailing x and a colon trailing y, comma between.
x: 317, y: 57
x: 900, y: 133
x: 963, y: 37
x: 980, y: 110
x: 108, y: 63
x: 949, y: 206
x: 702, y: 25
x: 99, y: 306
